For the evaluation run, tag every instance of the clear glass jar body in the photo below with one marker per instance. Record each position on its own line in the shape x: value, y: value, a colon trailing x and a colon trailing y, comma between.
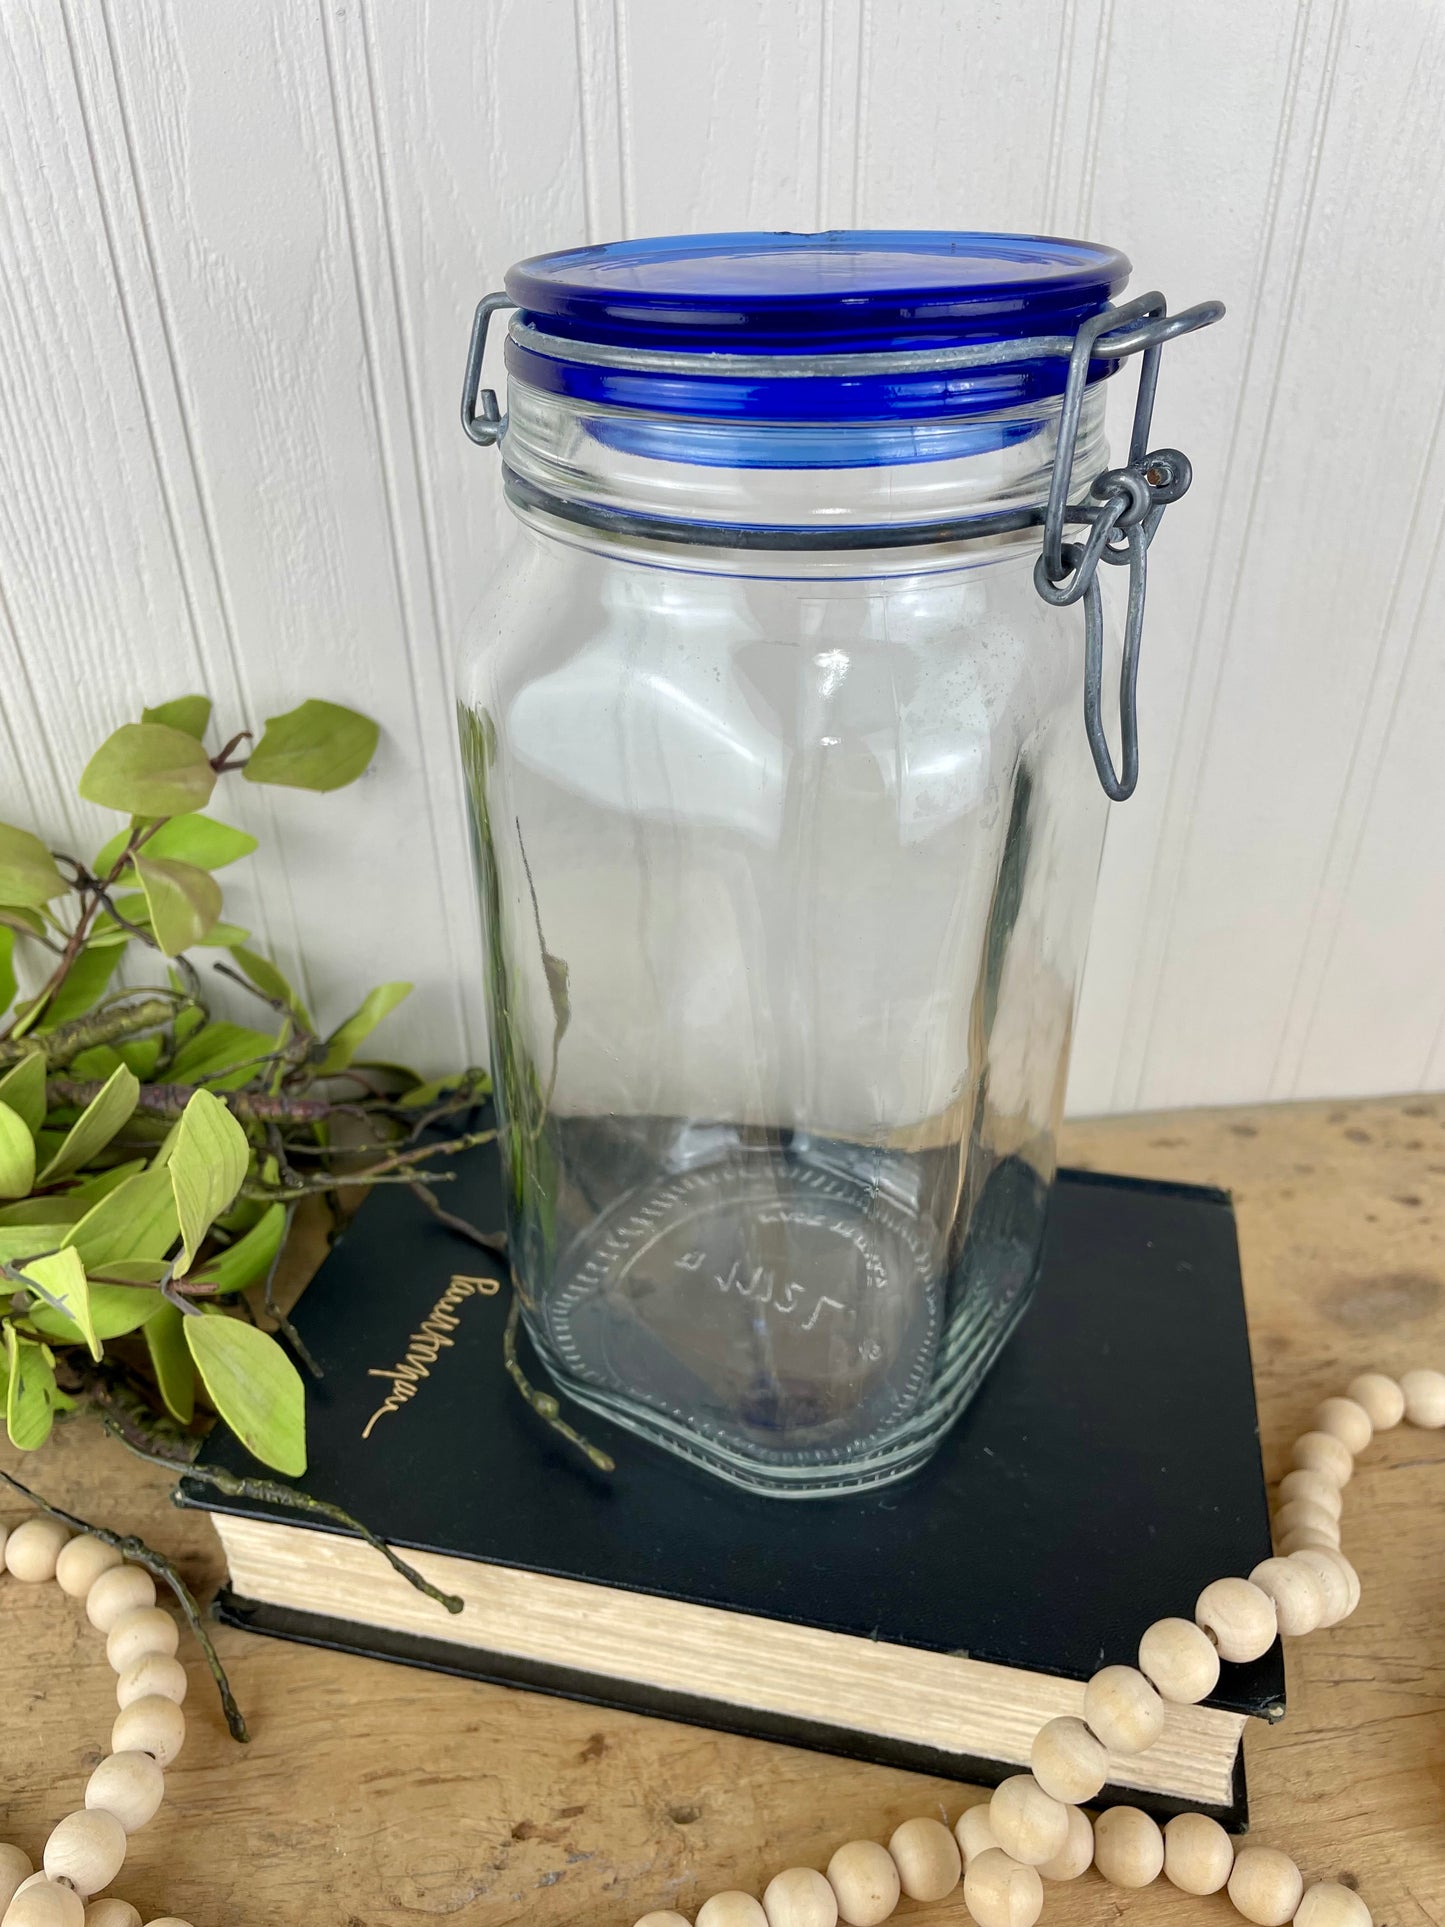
x: 786, y: 864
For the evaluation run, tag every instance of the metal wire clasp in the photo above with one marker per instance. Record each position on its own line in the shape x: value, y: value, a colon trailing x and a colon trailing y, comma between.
x: 1123, y: 513
x: 481, y: 412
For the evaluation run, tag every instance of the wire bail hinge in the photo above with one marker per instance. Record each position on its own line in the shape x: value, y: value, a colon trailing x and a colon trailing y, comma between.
x: 482, y: 415
x: 1122, y: 512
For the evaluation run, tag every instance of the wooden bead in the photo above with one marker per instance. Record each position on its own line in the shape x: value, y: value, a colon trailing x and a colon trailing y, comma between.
x: 118, y: 1591
x: 1323, y: 1452
x: 1068, y: 1762
x: 1381, y: 1398
x: 152, y: 1673
x: 1301, y: 1538
x: 152, y: 1725
x: 1347, y: 1573
x: 1334, y: 1587
x: 81, y: 1562
x: 14, y: 1867
x: 174, y: 1920
x: 1328, y: 1904
x: 1128, y: 1847
x: 799, y: 1897
x: 87, y: 1849
x: 145, y: 1629
x: 111, y: 1912
x: 1424, y: 1399
x: 927, y: 1857
x: 33, y: 1548
x: 40, y: 1902
x: 1076, y: 1855
x: 1123, y: 1709
x: 663, y: 1919
x: 1238, y: 1617
x: 1181, y: 1660
x: 1346, y: 1420
x: 1299, y: 1603
x: 974, y: 1832
x: 1198, y: 1853
x: 1001, y: 1892
x: 1304, y: 1512
x: 732, y: 1909
x: 129, y: 1785
x: 1315, y: 1487
x: 865, y: 1883
x: 1028, y: 1823
x: 1265, y: 1886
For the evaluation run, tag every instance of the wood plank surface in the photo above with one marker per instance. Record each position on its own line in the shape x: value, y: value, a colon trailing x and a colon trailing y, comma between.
x: 373, y: 1796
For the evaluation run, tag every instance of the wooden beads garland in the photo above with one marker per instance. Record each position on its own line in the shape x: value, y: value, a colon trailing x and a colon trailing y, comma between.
x: 1030, y: 1831
x: 87, y: 1849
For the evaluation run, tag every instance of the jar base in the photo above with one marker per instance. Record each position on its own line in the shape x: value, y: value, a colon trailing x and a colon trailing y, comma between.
x: 779, y: 1307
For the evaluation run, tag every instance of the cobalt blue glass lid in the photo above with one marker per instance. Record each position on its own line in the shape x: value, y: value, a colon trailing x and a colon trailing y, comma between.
x: 892, y: 326
x: 884, y: 289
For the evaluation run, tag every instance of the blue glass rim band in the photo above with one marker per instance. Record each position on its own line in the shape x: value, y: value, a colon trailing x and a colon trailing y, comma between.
x: 593, y: 324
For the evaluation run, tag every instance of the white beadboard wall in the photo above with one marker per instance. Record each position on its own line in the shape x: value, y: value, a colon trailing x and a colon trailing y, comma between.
x: 239, y: 248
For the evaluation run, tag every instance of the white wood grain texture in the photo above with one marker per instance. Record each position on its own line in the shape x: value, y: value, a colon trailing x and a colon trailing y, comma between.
x: 719, y: 109
x: 1314, y: 615
x: 280, y: 360
x: 266, y: 227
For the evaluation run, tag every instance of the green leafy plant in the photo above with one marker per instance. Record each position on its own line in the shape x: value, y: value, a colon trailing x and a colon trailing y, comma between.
x: 152, y: 1152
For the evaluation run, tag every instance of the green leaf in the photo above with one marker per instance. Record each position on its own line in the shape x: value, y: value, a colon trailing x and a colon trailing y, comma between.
x: 142, y: 1054
x: 248, y: 1260
x: 181, y: 839
x: 91, y: 1190
x: 30, y: 1396
x: 99, y: 1061
x: 344, y: 1042
x: 84, y: 982
x: 15, y: 917
x: 224, y: 936
x: 9, y: 983
x: 115, y: 1311
x: 220, y: 1047
x: 131, y: 1271
x: 207, y: 1165
x: 189, y: 713
x: 30, y: 1240
x: 28, y: 875
x: 61, y: 1281
x: 255, y: 1388
x: 52, y: 1211
x: 23, y: 1089
x: 171, y: 1361
x: 149, y: 769
x: 269, y: 981
x: 17, y: 1155
x: 423, y: 1094
x: 136, y: 1220
x: 319, y: 746
x: 97, y: 1124
x: 183, y: 902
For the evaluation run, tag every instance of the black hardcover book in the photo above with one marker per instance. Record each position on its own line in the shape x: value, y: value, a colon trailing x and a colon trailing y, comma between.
x: 1107, y: 1470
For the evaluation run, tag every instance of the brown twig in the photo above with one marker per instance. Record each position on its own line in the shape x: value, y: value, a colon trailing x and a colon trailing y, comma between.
x: 113, y: 1020
x: 543, y: 1403
x: 169, y: 1100
x: 493, y: 1241
x: 159, y: 1567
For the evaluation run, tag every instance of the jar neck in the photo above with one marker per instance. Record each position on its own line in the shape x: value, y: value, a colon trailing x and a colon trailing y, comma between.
x: 773, y: 498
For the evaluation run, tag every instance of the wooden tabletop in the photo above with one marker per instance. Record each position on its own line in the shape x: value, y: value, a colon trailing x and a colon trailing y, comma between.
x: 373, y: 1796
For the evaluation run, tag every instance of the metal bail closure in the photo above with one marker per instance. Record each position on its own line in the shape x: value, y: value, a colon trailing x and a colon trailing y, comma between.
x: 1123, y: 513
x: 481, y: 413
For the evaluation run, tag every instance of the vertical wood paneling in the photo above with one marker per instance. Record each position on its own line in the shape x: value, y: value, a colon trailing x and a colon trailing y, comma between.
x: 238, y: 252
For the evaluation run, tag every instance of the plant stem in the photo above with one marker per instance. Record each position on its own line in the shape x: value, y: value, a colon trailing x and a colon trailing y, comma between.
x: 169, y: 1100
x: 543, y: 1403
x: 159, y: 1567
x: 104, y: 1026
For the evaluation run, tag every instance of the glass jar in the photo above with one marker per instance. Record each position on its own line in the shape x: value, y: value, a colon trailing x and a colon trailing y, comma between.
x: 786, y: 824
